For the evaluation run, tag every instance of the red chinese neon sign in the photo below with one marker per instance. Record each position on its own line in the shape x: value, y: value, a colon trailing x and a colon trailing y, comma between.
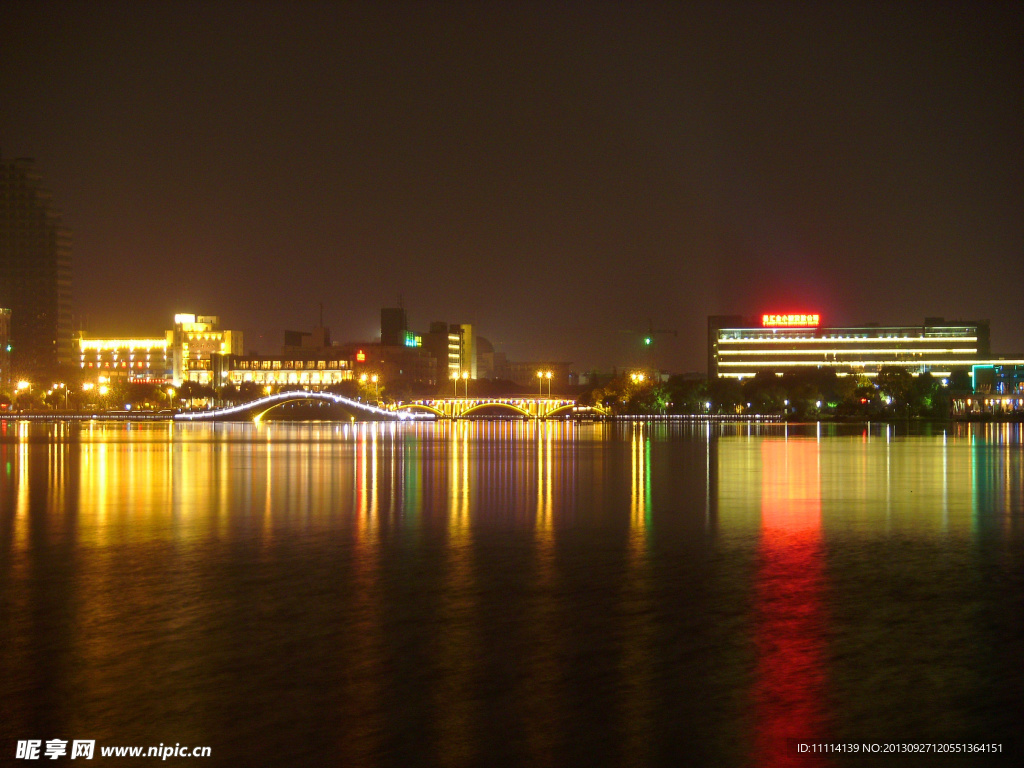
x: 796, y: 321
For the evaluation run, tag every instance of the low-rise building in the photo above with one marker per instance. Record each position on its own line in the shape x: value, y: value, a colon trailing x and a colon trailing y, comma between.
x: 183, y: 353
x: 741, y: 348
x: 279, y: 370
x: 124, y: 359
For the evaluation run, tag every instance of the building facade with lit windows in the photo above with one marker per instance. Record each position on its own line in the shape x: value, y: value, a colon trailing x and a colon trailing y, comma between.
x: 125, y: 360
x: 193, y: 342
x: 184, y: 353
x: 461, y: 351
x: 741, y: 347
x: 453, y: 348
x: 276, y: 371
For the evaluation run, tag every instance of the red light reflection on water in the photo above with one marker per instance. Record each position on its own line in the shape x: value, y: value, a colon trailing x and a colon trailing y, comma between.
x: 790, y: 685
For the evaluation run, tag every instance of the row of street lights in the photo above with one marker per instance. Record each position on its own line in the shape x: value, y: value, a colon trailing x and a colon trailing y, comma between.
x: 373, y: 378
x: 541, y: 376
x: 464, y: 375
x: 23, y: 388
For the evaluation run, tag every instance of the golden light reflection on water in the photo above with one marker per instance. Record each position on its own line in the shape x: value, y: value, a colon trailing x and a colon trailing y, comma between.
x: 637, y: 666
x: 459, y: 650
x: 542, y: 661
x: 624, y: 571
x: 155, y: 481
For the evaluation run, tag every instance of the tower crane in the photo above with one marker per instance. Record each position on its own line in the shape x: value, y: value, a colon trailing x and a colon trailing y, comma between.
x: 647, y: 335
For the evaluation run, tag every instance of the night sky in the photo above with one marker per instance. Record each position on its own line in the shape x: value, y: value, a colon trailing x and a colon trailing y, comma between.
x: 554, y: 174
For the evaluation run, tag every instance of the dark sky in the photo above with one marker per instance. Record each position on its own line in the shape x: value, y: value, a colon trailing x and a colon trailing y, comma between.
x: 555, y: 174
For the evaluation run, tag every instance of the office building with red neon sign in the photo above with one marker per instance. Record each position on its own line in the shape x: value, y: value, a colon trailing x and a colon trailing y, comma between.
x: 741, y: 347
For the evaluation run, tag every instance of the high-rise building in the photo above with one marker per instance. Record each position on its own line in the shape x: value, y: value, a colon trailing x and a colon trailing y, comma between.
x: 461, y: 351
x: 454, y: 349
x: 35, y: 271
x: 5, y: 349
x: 393, y: 325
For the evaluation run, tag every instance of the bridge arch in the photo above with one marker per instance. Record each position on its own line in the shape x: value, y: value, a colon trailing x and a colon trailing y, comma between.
x: 496, y: 404
x: 409, y: 407
x: 577, y: 408
x: 567, y: 407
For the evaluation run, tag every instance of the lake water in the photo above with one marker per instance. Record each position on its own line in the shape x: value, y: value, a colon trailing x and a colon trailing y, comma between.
x: 512, y: 593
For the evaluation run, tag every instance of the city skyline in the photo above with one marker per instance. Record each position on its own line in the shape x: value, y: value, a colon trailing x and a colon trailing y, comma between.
x: 557, y: 177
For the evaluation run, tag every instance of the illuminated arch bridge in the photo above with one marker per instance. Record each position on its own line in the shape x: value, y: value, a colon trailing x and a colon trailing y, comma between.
x: 527, y: 407
x: 255, y: 409
x: 417, y: 410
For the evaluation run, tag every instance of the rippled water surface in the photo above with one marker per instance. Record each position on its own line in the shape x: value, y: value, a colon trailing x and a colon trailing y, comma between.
x: 501, y: 593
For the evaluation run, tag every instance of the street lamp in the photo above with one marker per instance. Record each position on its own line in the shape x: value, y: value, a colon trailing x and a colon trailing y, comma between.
x: 21, y: 387
x: 541, y: 375
x: 465, y: 377
x: 455, y: 378
x: 373, y: 378
x: 62, y: 386
x: 637, y: 378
